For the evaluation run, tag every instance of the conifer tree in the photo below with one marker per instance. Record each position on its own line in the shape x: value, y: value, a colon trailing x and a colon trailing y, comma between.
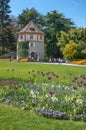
x: 6, y: 34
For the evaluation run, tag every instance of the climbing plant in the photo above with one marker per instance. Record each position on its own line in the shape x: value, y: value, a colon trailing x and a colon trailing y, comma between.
x: 22, y: 49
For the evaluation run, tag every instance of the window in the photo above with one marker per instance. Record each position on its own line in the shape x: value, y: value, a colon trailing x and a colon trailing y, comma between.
x: 31, y: 36
x: 32, y: 29
x: 40, y: 37
x: 31, y: 44
x: 21, y: 36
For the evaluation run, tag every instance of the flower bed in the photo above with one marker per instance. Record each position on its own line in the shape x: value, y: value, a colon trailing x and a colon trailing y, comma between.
x: 79, y: 62
x: 58, y: 101
x: 24, y: 59
x: 4, y: 59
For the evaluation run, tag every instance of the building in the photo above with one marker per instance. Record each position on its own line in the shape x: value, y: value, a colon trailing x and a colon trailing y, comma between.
x: 35, y: 37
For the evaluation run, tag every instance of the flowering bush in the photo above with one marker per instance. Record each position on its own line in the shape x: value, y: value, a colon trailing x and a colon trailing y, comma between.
x: 58, y: 100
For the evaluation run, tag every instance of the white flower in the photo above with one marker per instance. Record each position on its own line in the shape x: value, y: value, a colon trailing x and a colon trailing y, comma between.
x: 32, y: 94
x: 46, y: 96
x: 79, y: 101
x: 52, y: 86
x: 54, y: 99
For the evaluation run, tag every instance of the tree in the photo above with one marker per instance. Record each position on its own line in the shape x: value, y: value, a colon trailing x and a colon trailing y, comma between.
x: 81, y: 50
x: 62, y: 40
x: 70, y: 51
x: 28, y: 15
x: 55, y: 22
x: 52, y: 23
x: 6, y: 34
x: 76, y: 35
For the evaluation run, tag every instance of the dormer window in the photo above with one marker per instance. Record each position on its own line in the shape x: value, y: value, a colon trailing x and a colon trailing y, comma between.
x: 32, y: 29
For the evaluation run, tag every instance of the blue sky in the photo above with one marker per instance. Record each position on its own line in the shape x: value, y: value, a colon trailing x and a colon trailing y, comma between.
x: 74, y: 9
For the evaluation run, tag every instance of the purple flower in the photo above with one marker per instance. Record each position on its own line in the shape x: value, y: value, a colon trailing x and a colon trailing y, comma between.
x: 81, y: 82
x: 54, y: 75
x: 84, y: 84
x: 51, y: 92
x: 33, y: 70
x: 52, y: 72
x: 74, y: 87
x: 43, y: 74
x: 75, y: 78
x: 48, y: 72
x: 57, y: 76
x: 49, y: 78
x: 83, y: 76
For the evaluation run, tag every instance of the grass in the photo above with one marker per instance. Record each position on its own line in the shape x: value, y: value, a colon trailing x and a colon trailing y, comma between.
x: 15, y: 119
x: 21, y: 69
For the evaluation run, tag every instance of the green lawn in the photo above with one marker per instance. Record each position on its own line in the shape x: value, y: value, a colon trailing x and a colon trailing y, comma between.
x: 14, y: 119
x: 21, y: 69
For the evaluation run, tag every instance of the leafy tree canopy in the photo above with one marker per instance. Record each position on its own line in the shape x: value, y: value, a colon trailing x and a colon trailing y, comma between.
x: 54, y: 23
x: 76, y: 35
x: 28, y: 15
x: 70, y: 51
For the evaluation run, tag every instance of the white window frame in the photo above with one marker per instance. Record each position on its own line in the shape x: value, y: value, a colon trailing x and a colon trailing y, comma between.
x: 22, y: 36
x: 32, y: 44
x: 41, y: 37
x: 31, y: 36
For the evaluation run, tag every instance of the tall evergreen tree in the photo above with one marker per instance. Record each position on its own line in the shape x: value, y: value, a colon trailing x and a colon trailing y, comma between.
x: 55, y: 22
x: 5, y: 27
x: 28, y: 15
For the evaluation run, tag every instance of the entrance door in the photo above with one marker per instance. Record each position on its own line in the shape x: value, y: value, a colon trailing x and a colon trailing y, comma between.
x: 34, y: 56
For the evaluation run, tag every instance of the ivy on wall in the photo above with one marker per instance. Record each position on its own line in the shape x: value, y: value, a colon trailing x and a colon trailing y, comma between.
x: 22, y: 49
